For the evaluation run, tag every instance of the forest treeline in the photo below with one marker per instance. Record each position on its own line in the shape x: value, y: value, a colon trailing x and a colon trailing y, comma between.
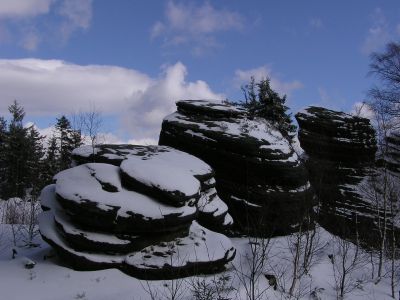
x: 29, y: 160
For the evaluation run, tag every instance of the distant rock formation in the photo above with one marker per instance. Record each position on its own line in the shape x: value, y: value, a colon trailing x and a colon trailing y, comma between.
x: 258, y: 174
x: 341, y: 158
x: 137, y: 214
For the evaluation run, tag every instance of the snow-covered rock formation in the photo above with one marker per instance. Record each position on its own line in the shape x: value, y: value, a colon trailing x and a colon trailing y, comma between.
x: 137, y: 214
x: 212, y: 211
x: 258, y: 174
x: 341, y: 155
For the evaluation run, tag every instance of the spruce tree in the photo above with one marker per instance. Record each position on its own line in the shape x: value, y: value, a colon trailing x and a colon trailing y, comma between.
x: 35, y: 164
x: 16, y: 153
x: 51, y: 161
x: 76, y: 138
x: 21, y: 154
x: 66, y: 142
x: 262, y: 101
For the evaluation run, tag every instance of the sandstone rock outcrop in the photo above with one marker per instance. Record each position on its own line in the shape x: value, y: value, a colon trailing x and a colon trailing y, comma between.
x: 138, y: 214
x: 393, y: 155
x: 258, y: 174
x: 341, y: 159
x: 212, y: 211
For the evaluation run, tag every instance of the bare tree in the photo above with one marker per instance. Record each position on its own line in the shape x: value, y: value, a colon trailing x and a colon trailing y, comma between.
x: 386, y: 67
x: 252, y: 266
x: 377, y: 190
x: 394, y: 251
x: 304, y: 247
x: 21, y: 215
x: 217, y: 288
x: 359, y: 109
x: 88, y: 124
x: 151, y: 291
x: 92, y: 123
x: 300, y: 253
x: 385, y: 102
x: 173, y: 289
x: 30, y: 227
x: 346, y: 258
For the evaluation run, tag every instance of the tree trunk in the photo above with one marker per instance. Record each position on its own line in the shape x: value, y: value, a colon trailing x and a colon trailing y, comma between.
x: 383, y: 241
x: 296, y: 262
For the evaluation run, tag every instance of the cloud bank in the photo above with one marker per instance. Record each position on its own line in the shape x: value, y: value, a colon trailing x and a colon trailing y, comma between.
x: 54, y: 87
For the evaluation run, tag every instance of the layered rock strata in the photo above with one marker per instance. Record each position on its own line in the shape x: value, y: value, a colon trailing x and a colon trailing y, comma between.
x: 258, y: 174
x: 393, y: 153
x: 341, y: 160
x: 139, y: 217
x: 212, y: 211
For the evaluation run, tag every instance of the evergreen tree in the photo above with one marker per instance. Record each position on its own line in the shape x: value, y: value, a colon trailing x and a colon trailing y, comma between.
x: 76, y: 138
x: 262, y: 101
x: 66, y: 142
x: 60, y: 146
x: 16, y: 153
x: 3, y: 137
x: 21, y: 153
x: 35, y: 164
x: 51, y: 162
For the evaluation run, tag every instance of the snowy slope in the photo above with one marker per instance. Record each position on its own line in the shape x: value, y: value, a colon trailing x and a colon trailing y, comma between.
x: 49, y: 280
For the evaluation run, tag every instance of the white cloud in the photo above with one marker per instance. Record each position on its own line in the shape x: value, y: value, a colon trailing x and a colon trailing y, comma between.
x: 24, y: 8
x: 362, y: 109
x: 77, y: 15
x: 159, y: 99
x: 378, y: 34
x: 23, y: 20
x: 263, y: 72
x: 54, y: 87
x: 188, y: 24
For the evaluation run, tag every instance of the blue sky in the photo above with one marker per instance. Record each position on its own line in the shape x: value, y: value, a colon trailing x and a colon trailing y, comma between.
x: 134, y: 59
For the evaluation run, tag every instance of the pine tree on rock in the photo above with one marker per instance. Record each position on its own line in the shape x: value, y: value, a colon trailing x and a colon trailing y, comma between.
x: 262, y: 101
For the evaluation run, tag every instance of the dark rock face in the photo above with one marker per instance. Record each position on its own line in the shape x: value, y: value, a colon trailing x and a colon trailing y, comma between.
x: 341, y: 159
x: 393, y: 156
x: 95, y: 219
x: 258, y: 175
x: 336, y: 136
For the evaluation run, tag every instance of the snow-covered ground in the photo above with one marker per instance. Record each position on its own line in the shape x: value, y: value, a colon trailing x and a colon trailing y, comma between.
x: 49, y: 279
